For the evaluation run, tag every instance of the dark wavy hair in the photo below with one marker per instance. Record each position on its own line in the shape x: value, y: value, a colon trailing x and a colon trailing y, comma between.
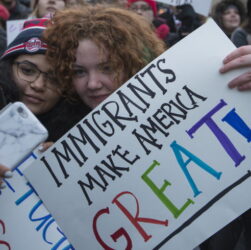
x: 130, y: 41
x: 220, y: 8
x: 9, y: 90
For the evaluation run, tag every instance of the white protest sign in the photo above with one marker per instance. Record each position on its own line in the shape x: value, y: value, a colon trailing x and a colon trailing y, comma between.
x: 163, y: 162
x: 13, y: 28
x: 202, y: 7
x: 24, y: 221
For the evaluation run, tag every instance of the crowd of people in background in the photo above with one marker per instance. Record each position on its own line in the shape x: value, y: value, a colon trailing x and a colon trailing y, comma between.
x: 59, y: 82
x: 170, y: 23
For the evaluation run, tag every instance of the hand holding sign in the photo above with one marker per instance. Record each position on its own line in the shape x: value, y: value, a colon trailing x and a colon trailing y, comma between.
x: 239, y: 58
x: 4, y: 173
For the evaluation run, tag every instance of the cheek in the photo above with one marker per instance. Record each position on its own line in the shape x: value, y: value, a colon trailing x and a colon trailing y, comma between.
x: 226, y: 17
x: 226, y: 20
x: 21, y: 84
x: 79, y: 85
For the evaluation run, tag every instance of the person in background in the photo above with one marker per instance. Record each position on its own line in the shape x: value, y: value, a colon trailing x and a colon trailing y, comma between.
x: 229, y: 15
x: 161, y: 28
x: 189, y: 19
x: 16, y: 9
x: 4, y: 16
x: 145, y: 8
x: 46, y: 8
x: 148, y: 9
x: 168, y: 14
x: 242, y: 35
x: 107, y: 46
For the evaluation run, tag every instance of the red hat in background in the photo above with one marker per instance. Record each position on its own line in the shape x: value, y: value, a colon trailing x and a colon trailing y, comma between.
x: 163, y: 31
x: 151, y: 3
x: 4, y: 13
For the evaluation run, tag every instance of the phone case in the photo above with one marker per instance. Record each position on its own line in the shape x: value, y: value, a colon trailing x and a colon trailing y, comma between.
x: 20, y: 133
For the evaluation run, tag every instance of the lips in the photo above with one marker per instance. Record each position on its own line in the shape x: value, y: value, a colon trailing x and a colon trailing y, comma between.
x: 33, y: 99
x: 99, y: 98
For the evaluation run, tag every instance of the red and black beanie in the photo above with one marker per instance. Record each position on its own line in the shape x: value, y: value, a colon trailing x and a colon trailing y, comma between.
x: 28, y: 41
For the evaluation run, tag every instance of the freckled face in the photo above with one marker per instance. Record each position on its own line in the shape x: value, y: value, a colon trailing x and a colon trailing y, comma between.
x: 93, y: 76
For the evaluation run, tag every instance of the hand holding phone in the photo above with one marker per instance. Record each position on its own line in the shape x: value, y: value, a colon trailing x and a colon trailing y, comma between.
x: 20, y: 133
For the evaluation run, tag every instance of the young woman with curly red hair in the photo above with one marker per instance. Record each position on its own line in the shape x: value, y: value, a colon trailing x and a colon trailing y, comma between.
x: 95, y: 49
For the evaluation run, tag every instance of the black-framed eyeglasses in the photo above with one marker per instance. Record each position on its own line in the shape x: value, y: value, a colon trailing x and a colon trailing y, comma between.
x: 29, y: 72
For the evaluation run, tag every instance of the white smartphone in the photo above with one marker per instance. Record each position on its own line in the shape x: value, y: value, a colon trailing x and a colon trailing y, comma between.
x: 20, y: 133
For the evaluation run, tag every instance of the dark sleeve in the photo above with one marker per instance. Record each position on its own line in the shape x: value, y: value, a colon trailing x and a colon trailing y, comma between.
x: 239, y: 38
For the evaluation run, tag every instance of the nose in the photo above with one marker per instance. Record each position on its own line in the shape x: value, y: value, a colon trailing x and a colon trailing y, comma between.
x: 94, y: 81
x: 39, y: 84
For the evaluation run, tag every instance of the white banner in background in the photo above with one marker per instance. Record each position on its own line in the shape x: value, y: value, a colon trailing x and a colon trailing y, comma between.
x: 13, y: 28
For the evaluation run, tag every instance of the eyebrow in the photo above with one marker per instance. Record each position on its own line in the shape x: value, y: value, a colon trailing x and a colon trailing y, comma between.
x: 81, y: 66
x: 35, y: 65
x: 27, y: 61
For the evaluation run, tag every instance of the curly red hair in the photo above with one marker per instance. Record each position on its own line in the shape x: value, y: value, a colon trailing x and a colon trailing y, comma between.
x: 130, y: 41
